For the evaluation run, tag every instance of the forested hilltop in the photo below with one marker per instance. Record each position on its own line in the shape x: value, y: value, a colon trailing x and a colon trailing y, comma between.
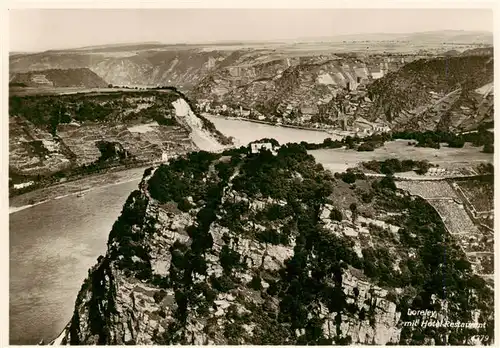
x: 263, y: 248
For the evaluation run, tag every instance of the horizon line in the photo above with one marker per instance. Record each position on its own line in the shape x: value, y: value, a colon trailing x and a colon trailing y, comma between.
x: 235, y: 41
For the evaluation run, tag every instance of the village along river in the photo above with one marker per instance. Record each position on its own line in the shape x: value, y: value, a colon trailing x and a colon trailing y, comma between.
x: 53, y: 244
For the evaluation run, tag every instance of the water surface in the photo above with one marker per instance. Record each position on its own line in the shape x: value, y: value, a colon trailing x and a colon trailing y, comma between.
x: 52, y: 246
x: 245, y: 132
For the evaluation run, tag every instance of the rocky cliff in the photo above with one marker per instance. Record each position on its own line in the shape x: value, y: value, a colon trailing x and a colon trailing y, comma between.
x: 242, y: 248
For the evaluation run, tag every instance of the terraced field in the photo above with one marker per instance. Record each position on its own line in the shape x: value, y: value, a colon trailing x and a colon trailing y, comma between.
x: 457, y: 204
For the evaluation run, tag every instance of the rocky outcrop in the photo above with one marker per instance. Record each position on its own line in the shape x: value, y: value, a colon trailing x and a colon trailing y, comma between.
x: 241, y: 248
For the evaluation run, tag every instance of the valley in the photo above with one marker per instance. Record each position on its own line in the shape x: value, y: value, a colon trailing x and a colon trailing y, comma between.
x: 267, y: 193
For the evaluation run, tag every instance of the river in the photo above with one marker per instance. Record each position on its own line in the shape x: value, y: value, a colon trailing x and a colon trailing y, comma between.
x: 52, y: 246
x: 245, y: 132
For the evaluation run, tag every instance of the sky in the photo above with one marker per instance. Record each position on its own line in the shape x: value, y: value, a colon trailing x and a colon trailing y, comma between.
x: 43, y: 29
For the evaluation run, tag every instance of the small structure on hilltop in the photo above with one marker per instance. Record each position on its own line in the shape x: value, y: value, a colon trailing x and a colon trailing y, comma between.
x: 257, y: 147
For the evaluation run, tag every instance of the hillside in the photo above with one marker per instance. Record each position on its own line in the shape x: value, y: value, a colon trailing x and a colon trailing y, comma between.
x: 434, y: 93
x: 424, y: 94
x: 81, y: 77
x: 128, y: 65
x: 59, y: 136
x: 184, y: 65
x: 346, y: 84
x: 240, y: 248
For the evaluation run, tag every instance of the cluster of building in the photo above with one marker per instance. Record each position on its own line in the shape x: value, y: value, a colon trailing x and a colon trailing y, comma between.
x: 258, y: 147
x: 22, y: 185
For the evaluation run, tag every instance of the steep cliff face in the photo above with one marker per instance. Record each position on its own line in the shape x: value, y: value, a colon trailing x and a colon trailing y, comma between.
x: 240, y: 248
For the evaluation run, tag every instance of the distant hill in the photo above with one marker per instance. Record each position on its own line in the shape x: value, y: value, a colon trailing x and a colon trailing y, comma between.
x: 80, y: 77
x: 441, y: 36
x: 482, y: 51
x: 155, y: 63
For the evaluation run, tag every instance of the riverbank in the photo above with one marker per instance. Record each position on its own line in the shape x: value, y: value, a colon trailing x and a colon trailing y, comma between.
x: 75, y: 187
x: 236, y: 118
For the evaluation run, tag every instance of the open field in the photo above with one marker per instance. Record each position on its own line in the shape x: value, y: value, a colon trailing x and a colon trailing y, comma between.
x: 338, y: 160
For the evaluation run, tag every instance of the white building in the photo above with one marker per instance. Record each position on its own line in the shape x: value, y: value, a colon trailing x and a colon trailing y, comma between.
x: 382, y: 129
x: 436, y: 171
x: 23, y: 185
x: 257, y: 147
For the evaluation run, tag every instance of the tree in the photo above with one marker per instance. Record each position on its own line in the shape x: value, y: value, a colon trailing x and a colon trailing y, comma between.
x: 422, y: 167
x: 184, y: 205
x: 349, y: 177
x: 456, y: 142
x: 366, y: 146
x: 336, y: 214
x: 256, y: 283
x: 354, y: 210
x: 388, y: 182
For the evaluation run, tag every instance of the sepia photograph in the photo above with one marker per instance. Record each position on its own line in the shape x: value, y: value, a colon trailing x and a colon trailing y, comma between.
x: 250, y: 176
